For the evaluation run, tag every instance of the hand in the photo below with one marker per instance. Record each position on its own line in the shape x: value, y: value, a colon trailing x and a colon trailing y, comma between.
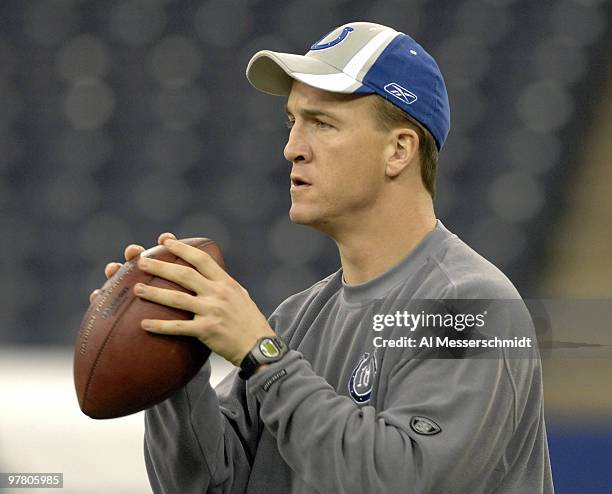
x: 225, y: 317
x: 130, y: 252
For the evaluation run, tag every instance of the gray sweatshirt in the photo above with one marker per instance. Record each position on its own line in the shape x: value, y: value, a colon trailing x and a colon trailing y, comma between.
x: 344, y: 412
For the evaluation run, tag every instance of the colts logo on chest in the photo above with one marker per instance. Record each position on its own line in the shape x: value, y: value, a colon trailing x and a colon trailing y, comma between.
x: 362, y: 379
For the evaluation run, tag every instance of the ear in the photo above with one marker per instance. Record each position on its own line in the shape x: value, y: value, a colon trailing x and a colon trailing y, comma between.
x: 403, y: 150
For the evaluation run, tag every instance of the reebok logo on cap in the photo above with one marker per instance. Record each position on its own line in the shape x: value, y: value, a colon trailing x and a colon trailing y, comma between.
x: 398, y: 91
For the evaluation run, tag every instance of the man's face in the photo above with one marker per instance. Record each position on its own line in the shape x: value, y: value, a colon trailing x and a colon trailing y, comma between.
x: 336, y: 150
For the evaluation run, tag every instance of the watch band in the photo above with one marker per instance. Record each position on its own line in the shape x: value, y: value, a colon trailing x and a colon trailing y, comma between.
x: 267, y: 350
x: 248, y: 366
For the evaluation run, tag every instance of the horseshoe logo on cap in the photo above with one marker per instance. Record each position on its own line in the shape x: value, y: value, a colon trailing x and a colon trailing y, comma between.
x: 334, y: 42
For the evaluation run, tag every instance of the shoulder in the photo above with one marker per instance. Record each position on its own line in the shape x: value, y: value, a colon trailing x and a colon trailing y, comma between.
x: 300, y: 298
x: 463, y: 273
x: 295, y: 307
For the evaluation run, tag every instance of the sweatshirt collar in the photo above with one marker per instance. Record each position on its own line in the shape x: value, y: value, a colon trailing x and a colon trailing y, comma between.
x: 379, y: 286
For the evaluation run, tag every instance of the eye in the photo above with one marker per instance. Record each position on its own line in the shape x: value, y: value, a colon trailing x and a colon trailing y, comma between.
x: 289, y: 123
x: 323, y: 125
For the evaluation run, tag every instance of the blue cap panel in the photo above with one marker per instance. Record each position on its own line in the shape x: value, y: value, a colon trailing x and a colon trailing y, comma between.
x: 407, y: 76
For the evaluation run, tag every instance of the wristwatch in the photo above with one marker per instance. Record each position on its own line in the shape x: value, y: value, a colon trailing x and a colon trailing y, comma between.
x: 267, y: 350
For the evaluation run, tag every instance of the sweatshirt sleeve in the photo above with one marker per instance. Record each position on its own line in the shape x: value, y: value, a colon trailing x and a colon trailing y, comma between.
x: 337, y: 446
x: 203, y: 439
x: 199, y: 440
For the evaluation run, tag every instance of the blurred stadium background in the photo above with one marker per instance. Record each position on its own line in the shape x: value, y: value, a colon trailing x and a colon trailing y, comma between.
x: 123, y: 119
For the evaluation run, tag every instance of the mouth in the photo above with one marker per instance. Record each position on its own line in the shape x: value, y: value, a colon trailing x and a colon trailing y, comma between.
x: 298, y: 183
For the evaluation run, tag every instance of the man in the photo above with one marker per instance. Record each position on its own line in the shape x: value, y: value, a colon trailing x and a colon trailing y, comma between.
x: 321, y: 403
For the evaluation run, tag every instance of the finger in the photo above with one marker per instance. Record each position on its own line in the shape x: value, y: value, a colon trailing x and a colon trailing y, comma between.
x: 185, y: 276
x: 132, y: 251
x: 175, y: 327
x: 165, y: 236
x: 111, y: 268
x: 167, y: 297
x: 201, y: 260
x: 93, y: 295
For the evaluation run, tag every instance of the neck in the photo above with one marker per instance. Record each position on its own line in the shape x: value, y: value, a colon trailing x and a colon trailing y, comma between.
x: 377, y: 243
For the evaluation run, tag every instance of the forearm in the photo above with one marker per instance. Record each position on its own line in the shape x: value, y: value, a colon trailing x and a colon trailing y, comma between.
x: 191, y: 446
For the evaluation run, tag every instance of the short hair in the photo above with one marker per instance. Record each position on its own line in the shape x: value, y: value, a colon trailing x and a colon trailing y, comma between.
x: 390, y: 117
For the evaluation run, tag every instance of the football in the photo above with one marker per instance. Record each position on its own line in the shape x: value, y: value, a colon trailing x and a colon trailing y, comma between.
x: 119, y: 368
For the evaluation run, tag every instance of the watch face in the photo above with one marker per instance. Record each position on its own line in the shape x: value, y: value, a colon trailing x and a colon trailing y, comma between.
x: 269, y: 349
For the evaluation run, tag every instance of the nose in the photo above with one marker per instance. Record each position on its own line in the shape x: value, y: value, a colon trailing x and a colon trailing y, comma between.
x: 297, y: 148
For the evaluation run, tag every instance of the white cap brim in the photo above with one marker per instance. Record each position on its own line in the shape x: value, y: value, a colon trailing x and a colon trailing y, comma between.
x: 274, y: 73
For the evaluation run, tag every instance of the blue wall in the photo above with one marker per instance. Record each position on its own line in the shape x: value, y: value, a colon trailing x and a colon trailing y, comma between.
x: 581, y: 457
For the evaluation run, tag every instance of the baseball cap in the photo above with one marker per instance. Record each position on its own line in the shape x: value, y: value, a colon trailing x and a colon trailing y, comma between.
x: 363, y: 58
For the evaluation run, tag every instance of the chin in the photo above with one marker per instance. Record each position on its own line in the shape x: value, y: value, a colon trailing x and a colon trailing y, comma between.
x: 309, y: 218
x: 300, y: 216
